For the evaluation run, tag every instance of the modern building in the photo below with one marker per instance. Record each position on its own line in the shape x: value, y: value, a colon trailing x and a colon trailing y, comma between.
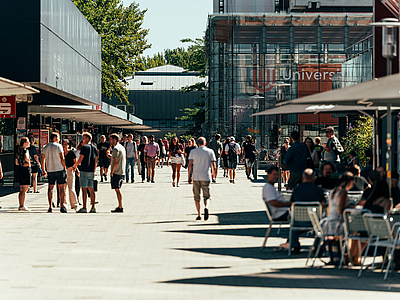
x: 248, y: 53
x: 155, y: 96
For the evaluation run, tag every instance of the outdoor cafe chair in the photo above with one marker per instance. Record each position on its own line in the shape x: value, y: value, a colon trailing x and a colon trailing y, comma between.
x: 271, y: 223
x: 381, y: 234
x: 319, y: 239
x: 299, y: 218
x: 354, y: 226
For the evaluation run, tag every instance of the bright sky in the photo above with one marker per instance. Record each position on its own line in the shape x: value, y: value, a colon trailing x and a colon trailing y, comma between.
x: 170, y: 21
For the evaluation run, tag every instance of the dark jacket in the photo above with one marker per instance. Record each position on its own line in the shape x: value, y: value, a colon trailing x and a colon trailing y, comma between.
x: 296, y: 157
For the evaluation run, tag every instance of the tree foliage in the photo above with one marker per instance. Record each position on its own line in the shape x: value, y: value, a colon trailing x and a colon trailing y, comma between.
x: 144, y: 63
x: 359, y: 138
x: 123, y: 40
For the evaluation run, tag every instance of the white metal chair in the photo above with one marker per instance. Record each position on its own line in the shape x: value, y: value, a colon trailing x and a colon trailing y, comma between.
x: 319, y: 233
x: 381, y: 234
x: 300, y: 220
x: 354, y: 226
x: 271, y: 223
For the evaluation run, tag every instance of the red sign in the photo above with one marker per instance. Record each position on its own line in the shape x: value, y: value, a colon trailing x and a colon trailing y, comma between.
x: 7, y: 106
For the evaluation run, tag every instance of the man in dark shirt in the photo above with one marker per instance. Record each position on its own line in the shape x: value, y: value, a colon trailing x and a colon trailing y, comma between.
x: 326, y: 182
x: 395, y: 191
x: 296, y: 160
x: 103, y: 152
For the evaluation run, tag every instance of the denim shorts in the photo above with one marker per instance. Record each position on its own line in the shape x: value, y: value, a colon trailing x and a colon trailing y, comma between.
x: 60, y: 177
x: 86, y: 179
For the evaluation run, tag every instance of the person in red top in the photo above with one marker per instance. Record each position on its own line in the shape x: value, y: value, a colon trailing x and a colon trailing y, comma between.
x: 176, y: 157
x: 151, y: 151
x: 166, y: 145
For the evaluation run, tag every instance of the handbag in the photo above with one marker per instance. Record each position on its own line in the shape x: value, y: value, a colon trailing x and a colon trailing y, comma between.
x: 95, y: 185
x: 183, y: 161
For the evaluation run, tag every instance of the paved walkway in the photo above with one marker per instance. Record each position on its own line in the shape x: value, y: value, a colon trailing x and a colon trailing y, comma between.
x: 156, y: 250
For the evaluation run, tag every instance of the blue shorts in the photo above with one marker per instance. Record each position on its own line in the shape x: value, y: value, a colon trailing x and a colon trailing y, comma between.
x: 232, y: 165
x: 86, y: 179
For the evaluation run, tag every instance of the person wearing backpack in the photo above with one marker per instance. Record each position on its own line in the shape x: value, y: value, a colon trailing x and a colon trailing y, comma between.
x: 232, y: 150
x: 333, y: 147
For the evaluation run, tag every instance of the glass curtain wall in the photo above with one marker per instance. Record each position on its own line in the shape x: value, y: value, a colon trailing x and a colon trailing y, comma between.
x: 246, y: 55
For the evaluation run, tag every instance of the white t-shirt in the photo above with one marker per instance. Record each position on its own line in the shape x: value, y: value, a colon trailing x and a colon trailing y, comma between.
x: 52, y: 155
x: 231, y: 144
x: 269, y: 193
x: 202, y: 158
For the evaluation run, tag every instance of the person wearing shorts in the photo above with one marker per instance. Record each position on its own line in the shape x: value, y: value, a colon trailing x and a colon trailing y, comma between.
x: 103, y: 152
x: 151, y: 151
x: 232, y: 158
x: 53, y: 164
x: 88, y: 163
x: 35, y: 164
x: 217, y: 147
x: 117, y: 170
x: 24, y: 172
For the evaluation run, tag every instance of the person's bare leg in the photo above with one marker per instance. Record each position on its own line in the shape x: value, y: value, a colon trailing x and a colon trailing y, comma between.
x: 22, y: 193
x: 178, y: 172
x: 61, y: 190
x: 92, y: 197
x: 233, y: 174
x: 84, y: 197
x: 119, y: 197
x: 207, y: 203
x: 34, y: 182
x: 197, y: 207
x: 173, y: 171
x: 101, y: 172
x: 50, y: 195
x: 105, y: 171
x: 230, y: 174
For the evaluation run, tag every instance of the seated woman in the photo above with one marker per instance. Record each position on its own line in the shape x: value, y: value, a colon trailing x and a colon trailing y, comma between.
x: 378, y: 201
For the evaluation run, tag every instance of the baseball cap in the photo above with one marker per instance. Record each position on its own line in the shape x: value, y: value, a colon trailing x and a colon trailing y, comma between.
x: 232, y: 138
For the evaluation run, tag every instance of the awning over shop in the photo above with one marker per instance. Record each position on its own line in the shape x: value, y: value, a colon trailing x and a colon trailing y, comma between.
x: 11, y: 88
x: 379, y: 91
x: 98, y: 115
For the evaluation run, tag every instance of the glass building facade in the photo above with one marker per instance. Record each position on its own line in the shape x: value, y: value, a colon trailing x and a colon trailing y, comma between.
x: 248, y: 54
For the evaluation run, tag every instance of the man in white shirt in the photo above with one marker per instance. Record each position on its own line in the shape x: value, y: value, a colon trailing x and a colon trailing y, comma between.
x: 131, y: 157
x: 201, y: 160
x: 53, y: 164
x: 232, y: 150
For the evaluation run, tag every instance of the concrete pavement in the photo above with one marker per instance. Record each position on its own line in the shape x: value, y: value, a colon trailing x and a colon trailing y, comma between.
x: 156, y: 250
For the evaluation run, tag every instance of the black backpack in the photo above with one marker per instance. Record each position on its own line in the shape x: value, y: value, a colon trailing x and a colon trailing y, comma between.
x: 232, y: 154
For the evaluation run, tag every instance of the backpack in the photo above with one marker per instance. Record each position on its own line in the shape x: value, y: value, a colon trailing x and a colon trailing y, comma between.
x: 336, y: 146
x: 232, y: 154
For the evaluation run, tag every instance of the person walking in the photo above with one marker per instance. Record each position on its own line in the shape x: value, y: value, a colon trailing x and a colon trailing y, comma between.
x: 142, y: 157
x: 163, y: 152
x: 131, y: 157
x: 70, y: 160
x: 103, y: 152
x: 216, y: 146
x: 117, y: 170
x: 225, y: 157
x: 35, y: 164
x: 88, y: 163
x: 318, y: 150
x: 23, y: 161
x: 176, y: 157
x: 232, y: 150
x: 189, y: 147
x: 151, y: 151
x: 333, y: 147
x: 248, y: 154
x: 296, y: 160
x: 53, y: 164
x: 202, y: 162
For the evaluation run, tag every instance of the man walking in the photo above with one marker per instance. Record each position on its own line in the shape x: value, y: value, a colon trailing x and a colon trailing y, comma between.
x: 131, y: 157
x: 333, y: 147
x: 296, y: 160
x: 200, y: 161
x: 117, y: 170
x: 232, y: 150
x: 87, y: 163
x: 151, y: 151
x: 53, y: 164
x: 217, y: 147
x: 103, y: 152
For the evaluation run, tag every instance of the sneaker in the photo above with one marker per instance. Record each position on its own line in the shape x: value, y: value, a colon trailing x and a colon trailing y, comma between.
x: 23, y: 208
x: 133, y: 181
x: 233, y: 181
x: 142, y: 181
x: 50, y: 210
x: 213, y: 180
x: 101, y: 180
x: 148, y: 180
x: 205, y: 214
x: 63, y: 210
x: 198, y: 218
x: 92, y: 210
x: 173, y: 183
x: 82, y: 210
x: 105, y: 177
x: 118, y: 210
x: 153, y: 181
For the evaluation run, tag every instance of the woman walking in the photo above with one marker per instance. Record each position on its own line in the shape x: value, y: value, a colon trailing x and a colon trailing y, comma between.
x: 141, y: 156
x: 23, y: 160
x: 70, y: 160
x: 160, y: 160
x: 176, y: 156
x: 225, y: 157
x: 35, y: 164
x: 285, y: 171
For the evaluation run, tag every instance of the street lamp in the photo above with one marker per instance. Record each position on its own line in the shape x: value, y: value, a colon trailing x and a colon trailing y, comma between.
x: 234, y: 113
x: 279, y: 97
x: 389, y: 51
x: 255, y: 99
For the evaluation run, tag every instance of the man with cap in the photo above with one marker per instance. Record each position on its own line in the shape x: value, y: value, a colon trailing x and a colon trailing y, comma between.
x: 232, y: 150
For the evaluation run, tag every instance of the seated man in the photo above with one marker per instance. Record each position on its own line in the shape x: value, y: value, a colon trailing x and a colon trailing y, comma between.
x: 395, y: 189
x: 326, y: 182
x: 306, y: 191
x: 360, y: 183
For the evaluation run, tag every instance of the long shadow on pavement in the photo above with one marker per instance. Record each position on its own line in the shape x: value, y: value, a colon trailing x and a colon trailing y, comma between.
x: 303, y: 278
x: 254, y: 232
x: 240, y: 218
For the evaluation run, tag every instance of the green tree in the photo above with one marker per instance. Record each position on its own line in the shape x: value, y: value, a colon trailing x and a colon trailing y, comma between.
x: 359, y: 138
x: 123, y: 40
x: 144, y: 63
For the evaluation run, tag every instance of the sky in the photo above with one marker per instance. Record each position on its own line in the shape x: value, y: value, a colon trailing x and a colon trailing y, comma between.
x: 170, y: 21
